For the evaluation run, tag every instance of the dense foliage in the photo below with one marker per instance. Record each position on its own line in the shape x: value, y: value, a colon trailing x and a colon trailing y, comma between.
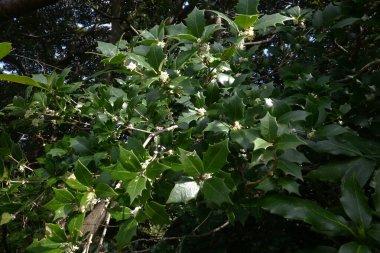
x: 195, y: 128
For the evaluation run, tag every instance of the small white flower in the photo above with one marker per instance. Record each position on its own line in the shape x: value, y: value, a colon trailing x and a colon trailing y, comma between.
x: 236, y: 126
x: 36, y: 122
x: 164, y: 76
x: 241, y: 45
x: 135, y: 211
x: 28, y: 113
x: 269, y: 102
x: 161, y: 44
x: 131, y: 66
x: 249, y: 33
x: 201, y: 111
x: 205, y: 47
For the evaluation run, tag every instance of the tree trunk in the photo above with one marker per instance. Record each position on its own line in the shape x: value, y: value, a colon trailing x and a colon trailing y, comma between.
x: 116, y: 29
x: 14, y: 8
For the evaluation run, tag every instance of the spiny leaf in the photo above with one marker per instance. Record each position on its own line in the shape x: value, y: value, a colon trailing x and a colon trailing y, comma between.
x: 247, y: 7
x: 83, y: 175
x: 215, y: 157
x: 216, y: 191
x: 135, y: 187
x: 196, y: 22
x: 191, y: 162
x: 270, y: 20
x: 183, y: 192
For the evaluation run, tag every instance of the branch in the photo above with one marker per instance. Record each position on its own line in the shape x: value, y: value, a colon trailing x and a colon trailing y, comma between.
x: 361, y: 71
x: 260, y: 41
x: 15, y: 8
x: 152, y: 135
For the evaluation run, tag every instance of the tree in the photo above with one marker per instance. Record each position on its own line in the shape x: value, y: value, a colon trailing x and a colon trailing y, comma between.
x: 196, y: 136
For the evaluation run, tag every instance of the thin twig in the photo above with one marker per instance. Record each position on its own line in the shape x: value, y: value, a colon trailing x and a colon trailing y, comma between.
x: 41, y: 63
x: 152, y: 135
x: 340, y: 46
x: 361, y: 71
x: 87, y: 246
x: 260, y: 41
x: 203, y: 222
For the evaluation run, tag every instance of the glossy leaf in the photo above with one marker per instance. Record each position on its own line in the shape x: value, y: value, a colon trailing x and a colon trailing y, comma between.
x: 121, y: 213
x: 135, y: 187
x: 261, y: 143
x: 55, y: 233
x: 157, y: 213
x: 192, y: 164
x: 155, y: 169
x: 270, y: 20
x: 293, y: 116
x: 129, y: 160
x: 5, y: 49
x: 105, y: 191
x: 118, y: 172
x: 196, y: 22
x: 247, y: 7
x: 268, y: 127
x: 354, y: 201
x: 234, y: 108
x: 155, y: 57
x: 20, y: 80
x: 246, y: 21
x: 126, y: 232
x: 75, y: 223
x: 216, y: 191
x: 289, y: 141
x: 354, y: 247
x: 290, y: 168
x: 215, y: 157
x: 83, y: 175
x: 320, y: 219
x: 183, y: 192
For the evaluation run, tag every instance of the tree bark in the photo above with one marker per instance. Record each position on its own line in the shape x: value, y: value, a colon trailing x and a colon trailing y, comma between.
x: 15, y: 8
x: 116, y: 29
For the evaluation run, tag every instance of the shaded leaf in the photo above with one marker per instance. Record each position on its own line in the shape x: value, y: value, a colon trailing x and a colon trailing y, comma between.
x: 293, y: 116
x: 215, y: 157
x: 155, y: 169
x: 247, y: 7
x: 268, y: 127
x: 234, y: 107
x: 118, y: 172
x: 105, y: 191
x: 354, y: 201
x: 196, y: 22
x: 156, y: 212
x: 270, y: 20
x: 354, y: 247
x: 216, y: 191
x: 129, y: 160
x: 191, y: 163
x: 121, y: 213
x: 261, y: 143
x: 289, y: 141
x: 155, y: 57
x: 246, y: 21
x: 83, y: 175
x: 320, y: 219
x: 5, y: 48
x: 290, y: 168
x: 126, y: 232
x: 20, y: 80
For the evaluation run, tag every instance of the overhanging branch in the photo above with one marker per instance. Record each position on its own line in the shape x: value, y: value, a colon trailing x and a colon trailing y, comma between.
x: 15, y: 8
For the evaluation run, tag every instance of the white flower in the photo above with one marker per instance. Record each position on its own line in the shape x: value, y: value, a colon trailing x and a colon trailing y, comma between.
x: 205, y: 47
x: 36, y: 122
x: 201, y: 111
x: 161, y: 44
x: 131, y: 66
x: 269, y: 102
x: 28, y: 113
x: 134, y: 211
x: 236, y: 126
x: 241, y: 45
x: 164, y: 76
x: 249, y: 33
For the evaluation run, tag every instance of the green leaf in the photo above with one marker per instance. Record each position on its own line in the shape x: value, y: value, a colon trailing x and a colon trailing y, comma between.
x: 293, y: 116
x: 155, y: 57
x: 75, y: 223
x: 183, y: 192
x: 5, y: 218
x: 135, y: 187
x: 57, y: 152
x: 234, y: 108
x: 269, y: 127
x: 55, y: 233
x: 246, y: 21
x: 336, y: 147
x: 118, y: 172
x: 227, y: 19
x: 20, y: 80
x: 217, y: 126
x: 5, y: 49
x: 126, y: 232
x: 121, y: 213
x: 330, y: 131
x: 81, y: 145
x: 376, y: 195
x: 354, y: 202
x: 157, y: 213
x: 270, y: 20
x: 216, y: 191
x: 196, y: 22
x: 73, y: 183
x: 183, y: 57
x: 243, y: 137
x: 290, y: 168
x: 374, y: 232
x: 215, y: 157
x: 140, y: 60
x: 289, y: 141
x: 129, y: 160
x: 45, y: 246
x: 261, y: 143
x: 345, y: 22
x: 64, y: 196
x: 293, y: 155
x: 105, y: 191
x: 83, y: 174
x: 247, y: 7
x: 192, y: 164
x: 320, y: 219
x: 185, y: 37
x: 290, y: 185
x: 354, y: 247
x: 155, y: 168
x: 107, y: 49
